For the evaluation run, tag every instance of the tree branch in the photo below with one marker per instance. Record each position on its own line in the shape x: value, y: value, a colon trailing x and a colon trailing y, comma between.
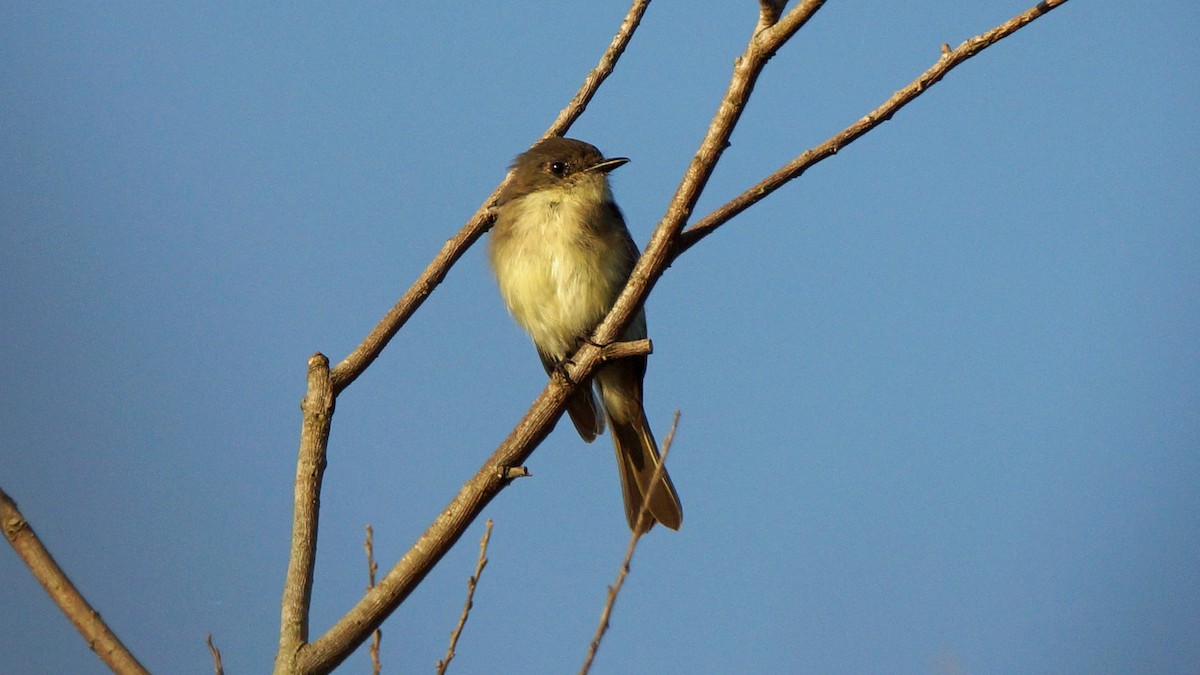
x: 948, y: 61
x: 86, y: 619
x: 317, y: 407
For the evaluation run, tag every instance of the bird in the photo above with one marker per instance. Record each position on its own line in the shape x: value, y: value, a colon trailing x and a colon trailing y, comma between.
x: 561, y: 254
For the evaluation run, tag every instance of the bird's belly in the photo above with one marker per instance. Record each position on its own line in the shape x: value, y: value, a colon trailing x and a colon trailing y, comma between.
x: 558, y: 293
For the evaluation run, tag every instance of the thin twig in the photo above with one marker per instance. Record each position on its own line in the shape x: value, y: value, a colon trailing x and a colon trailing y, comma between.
x: 216, y: 655
x: 466, y: 611
x: 638, y: 531
x: 626, y: 349
x: 947, y: 61
x: 372, y: 568
x: 58, y: 586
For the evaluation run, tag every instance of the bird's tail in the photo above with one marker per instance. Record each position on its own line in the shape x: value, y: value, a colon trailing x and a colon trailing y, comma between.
x: 637, y: 461
x: 637, y: 453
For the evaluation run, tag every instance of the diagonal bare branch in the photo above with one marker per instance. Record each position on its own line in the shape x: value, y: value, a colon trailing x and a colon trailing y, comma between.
x: 58, y: 586
x: 950, y: 58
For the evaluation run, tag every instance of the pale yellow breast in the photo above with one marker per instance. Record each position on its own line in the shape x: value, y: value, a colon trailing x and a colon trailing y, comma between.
x: 557, y: 277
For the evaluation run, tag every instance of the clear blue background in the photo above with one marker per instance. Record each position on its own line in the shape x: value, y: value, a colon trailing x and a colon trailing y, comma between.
x: 940, y: 396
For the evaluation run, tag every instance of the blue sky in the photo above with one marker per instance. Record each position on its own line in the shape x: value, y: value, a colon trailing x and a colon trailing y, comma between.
x: 939, y: 396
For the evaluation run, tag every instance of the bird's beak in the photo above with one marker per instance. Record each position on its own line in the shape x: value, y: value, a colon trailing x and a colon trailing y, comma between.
x: 606, y: 165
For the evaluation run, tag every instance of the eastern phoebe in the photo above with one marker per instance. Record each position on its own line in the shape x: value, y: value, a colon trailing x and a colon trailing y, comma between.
x: 562, y: 254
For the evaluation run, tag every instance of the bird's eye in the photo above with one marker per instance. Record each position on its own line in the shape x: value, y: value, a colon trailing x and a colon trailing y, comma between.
x: 558, y: 168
